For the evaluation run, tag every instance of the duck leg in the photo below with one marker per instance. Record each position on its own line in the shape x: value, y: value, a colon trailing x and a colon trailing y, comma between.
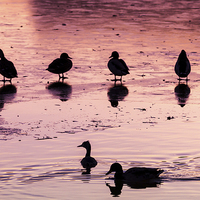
x: 88, y: 170
x: 61, y: 76
x: 4, y: 79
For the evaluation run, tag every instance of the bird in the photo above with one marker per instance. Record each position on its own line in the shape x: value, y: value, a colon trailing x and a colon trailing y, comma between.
x: 117, y: 66
x: 60, y: 65
x: 135, y: 174
x: 7, y: 68
x: 182, y: 66
x: 87, y: 162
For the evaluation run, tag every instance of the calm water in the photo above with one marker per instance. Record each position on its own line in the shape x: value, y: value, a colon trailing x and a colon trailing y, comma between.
x: 156, y: 122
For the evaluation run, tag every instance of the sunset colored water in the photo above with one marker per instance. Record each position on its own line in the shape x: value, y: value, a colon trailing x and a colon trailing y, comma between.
x: 155, y: 122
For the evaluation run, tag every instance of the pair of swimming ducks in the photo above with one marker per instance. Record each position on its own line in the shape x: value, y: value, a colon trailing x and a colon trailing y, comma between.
x: 117, y: 66
x: 135, y: 174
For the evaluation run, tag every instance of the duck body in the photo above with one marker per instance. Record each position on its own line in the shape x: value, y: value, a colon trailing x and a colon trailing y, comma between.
x: 7, y: 68
x: 117, y: 66
x: 182, y: 66
x: 87, y: 162
x: 135, y: 174
x: 60, y: 65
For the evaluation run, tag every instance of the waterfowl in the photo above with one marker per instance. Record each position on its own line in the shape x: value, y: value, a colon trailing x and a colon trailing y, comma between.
x: 7, y: 68
x: 117, y: 66
x: 182, y: 66
x: 60, y: 65
x: 87, y: 162
x: 135, y: 174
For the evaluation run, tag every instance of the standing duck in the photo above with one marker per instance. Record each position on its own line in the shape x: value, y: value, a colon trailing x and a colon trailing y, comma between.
x: 60, y: 65
x: 182, y: 67
x: 135, y: 174
x: 87, y: 162
x: 7, y: 68
x: 117, y: 66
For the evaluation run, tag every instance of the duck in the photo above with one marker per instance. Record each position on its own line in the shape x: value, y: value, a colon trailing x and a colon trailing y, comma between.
x: 7, y: 68
x: 60, y: 65
x: 135, y: 174
x: 117, y: 66
x: 87, y: 162
x: 182, y: 66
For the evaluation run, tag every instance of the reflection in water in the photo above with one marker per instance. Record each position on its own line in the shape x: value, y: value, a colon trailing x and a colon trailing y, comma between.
x: 117, y: 189
x: 182, y: 92
x: 7, y: 94
x: 117, y: 93
x: 61, y: 90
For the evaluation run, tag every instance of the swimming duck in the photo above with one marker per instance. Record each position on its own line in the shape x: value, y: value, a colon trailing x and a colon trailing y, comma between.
x: 60, y: 65
x: 87, y: 162
x: 117, y: 66
x: 135, y: 174
x: 7, y: 68
x: 182, y: 66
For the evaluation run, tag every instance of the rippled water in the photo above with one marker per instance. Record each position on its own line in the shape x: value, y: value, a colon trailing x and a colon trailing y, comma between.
x: 42, y: 121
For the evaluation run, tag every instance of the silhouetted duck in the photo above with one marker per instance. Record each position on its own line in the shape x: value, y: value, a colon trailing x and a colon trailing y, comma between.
x: 87, y: 162
x: 135, y: 174
x: 182, y: 66
x: 60, y: 65
x: 7, y: 68
x: 117, y: 66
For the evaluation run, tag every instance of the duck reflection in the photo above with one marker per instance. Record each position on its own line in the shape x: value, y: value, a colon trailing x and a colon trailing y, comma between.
x: 116, y: 94
x: 60, y: 89
x: 117, y: 189
x: 7, y: 94
x: 182, y: 92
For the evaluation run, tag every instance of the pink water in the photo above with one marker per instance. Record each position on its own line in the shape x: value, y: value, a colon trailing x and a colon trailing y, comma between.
x: 147, y: 128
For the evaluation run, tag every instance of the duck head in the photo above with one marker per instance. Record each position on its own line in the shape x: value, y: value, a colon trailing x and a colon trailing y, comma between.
x: 87, y: 146
x: 183, y: 54
x: 115, y: 55
x: 65, y: 56
x: 115, y: 167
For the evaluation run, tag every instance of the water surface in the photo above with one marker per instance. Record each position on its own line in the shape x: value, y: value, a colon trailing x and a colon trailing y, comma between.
x: 155, y: 122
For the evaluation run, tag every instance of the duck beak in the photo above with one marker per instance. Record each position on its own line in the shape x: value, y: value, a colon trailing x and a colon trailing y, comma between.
x: 79, y: 145
x: 108, y: 172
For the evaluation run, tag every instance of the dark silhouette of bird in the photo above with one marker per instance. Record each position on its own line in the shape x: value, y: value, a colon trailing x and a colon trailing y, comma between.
x: 117, y: 66
x: 87, y: 162
x: 182, y: 92
x: 135, y: 174
x: 7, y: 68
x: 60, y: 65
x: 182, y: 66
